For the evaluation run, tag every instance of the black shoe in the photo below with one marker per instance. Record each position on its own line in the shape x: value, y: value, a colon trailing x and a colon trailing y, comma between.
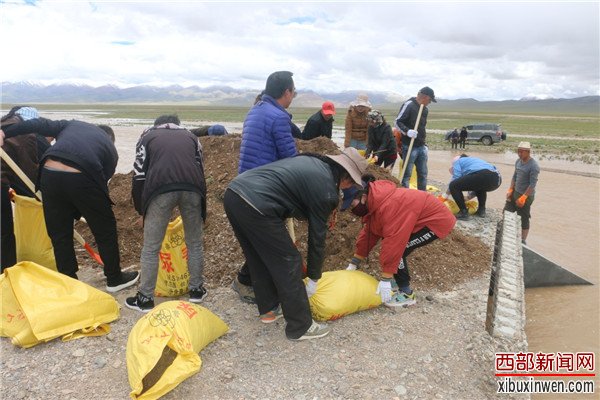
x: 245, y: 292
x: 140, y: 302
x: 480, y: 212
x: 125, y: 280
x: 463, y: 215
x: 197, y: 295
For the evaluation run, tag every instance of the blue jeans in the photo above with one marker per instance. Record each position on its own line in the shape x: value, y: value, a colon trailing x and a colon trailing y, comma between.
x: 155, y: 226
x: 418, y: 158
x: 358, y: 144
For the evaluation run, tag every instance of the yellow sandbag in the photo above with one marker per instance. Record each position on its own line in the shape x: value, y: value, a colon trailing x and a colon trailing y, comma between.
x: 412, y: 184
x: 173, y: 276
x: 163, y: 347
x: 472, y: 206
x: 39, y: 305
x: 340, y: 293
x: 33, y: 243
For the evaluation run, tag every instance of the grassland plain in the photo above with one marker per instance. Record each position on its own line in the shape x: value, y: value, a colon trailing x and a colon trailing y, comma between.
x: 570, y: 135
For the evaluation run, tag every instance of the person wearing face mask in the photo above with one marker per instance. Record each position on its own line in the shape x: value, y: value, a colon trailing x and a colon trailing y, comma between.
x: 404, y: 220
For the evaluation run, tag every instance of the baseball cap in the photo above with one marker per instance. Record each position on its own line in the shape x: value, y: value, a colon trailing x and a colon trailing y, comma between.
x: 328, y: 108
x: 349, y: 195
x: 428, y: 92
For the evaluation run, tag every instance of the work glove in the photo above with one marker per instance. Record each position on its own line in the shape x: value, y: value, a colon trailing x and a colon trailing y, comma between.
x: 384, y: 289
x: 311, y: 287
x: 521, y: 201
x: 351, y: 267
x: 509, y: 193
x: 412, y: 133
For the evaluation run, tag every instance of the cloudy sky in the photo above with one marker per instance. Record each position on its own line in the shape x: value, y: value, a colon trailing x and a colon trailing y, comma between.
x: 483, y: 50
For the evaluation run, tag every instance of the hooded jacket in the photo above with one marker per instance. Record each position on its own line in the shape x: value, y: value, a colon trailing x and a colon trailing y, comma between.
x: 356, y: 125
x: 381, y: 141
x: 394, y: 214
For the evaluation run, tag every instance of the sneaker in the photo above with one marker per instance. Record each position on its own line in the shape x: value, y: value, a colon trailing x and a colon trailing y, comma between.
x: 125, y: 280
x: 480, y: 213
x: 245, y: 292
x: 402, y: 299
x: 315, y: 331
x: 463, y: 215
x: 272, y: 315
x: 197, y: 295
x: 140, y: 302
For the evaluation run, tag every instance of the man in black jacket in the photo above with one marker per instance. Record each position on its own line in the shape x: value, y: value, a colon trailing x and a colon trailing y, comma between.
x: 405, y: 121
x: 168, y: 173
x: 320, y: 123
x: 74, y: 183
x: 257, y: 204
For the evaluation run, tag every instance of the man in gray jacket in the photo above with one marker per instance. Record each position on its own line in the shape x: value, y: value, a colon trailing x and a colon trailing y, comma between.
x: 520, y: 195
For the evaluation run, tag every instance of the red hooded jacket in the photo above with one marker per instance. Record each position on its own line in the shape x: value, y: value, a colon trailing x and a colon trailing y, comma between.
x: 394, y: 214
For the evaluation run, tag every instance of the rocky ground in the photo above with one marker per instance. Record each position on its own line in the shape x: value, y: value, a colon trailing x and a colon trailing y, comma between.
x: 435, y: 349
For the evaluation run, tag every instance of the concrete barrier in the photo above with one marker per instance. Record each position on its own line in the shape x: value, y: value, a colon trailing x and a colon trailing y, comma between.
x: 506, y: 301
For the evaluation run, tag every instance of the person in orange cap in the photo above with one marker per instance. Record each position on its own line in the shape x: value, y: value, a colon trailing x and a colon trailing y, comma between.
x: 320, y: 123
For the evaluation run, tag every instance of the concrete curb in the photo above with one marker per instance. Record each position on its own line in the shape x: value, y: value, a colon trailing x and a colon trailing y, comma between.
x: 506, y: 301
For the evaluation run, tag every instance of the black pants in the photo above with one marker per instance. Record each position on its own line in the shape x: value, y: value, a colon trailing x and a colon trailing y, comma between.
x: 416, y: 240
x: 524, y: 212
x: 274, y: 263
x: 9, y: 246
x: 479, y: 182
x: 462, y: 142
x: 66, y: 197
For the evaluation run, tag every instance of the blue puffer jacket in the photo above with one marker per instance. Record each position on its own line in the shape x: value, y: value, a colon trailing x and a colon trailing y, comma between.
x: 266, y: 136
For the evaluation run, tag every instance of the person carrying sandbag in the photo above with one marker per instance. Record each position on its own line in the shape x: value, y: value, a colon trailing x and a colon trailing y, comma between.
x: 74, y: 183
x: 168, y: 173
x: 258, y: 202
x: 404, y: 220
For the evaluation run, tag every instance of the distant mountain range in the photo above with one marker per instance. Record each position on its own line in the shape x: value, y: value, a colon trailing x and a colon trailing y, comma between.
x: 25, y: 92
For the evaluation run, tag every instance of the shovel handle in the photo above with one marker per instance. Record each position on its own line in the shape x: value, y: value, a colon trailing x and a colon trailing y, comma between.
x: 412, y: 140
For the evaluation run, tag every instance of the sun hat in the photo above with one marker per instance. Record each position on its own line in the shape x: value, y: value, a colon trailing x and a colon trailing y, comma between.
x: 525, y: 145
x: 351, y: 161
x: 328, y: 108
x: 361, y: 100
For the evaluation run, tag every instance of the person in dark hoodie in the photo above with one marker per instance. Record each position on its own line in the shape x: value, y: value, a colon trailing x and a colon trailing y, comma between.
x: 168, y: 173
x: 257, y: 204
x: 73, y: 179
x: 381, y: 144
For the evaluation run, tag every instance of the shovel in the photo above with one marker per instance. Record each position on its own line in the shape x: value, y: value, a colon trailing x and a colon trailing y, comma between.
x: 9, y: 161
x: 412, y: 140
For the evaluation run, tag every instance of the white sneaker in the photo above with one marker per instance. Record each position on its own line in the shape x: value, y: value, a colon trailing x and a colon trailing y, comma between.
x: 315, y: 331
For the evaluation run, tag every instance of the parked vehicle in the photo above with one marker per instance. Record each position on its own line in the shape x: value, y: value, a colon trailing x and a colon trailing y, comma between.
x: 488, y: 134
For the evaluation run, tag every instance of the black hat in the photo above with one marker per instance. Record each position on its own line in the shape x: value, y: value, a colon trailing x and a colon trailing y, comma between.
x: 428, y: 92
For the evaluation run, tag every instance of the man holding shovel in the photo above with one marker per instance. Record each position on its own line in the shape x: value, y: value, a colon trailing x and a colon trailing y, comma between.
x: 73, y: 179
x: 411, y: 121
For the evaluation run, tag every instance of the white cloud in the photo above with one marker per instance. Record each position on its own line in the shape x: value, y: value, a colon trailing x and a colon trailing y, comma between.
x: 488, y: 51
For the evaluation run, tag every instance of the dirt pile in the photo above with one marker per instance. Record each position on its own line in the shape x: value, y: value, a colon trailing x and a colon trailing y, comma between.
x: 441, y: 265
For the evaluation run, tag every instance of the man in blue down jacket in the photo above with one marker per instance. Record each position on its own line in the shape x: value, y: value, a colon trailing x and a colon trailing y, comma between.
x: 73, y: 178
x: 266, y: 137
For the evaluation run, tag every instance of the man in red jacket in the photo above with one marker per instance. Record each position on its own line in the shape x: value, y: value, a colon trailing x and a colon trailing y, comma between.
x: 404, y: 219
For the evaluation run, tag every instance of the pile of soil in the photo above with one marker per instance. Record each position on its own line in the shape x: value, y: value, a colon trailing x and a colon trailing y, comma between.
x: 440, y: 265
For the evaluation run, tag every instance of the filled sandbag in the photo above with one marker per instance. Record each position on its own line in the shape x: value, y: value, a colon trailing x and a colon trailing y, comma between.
x: 340, y: 293
x: 163, y: 346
